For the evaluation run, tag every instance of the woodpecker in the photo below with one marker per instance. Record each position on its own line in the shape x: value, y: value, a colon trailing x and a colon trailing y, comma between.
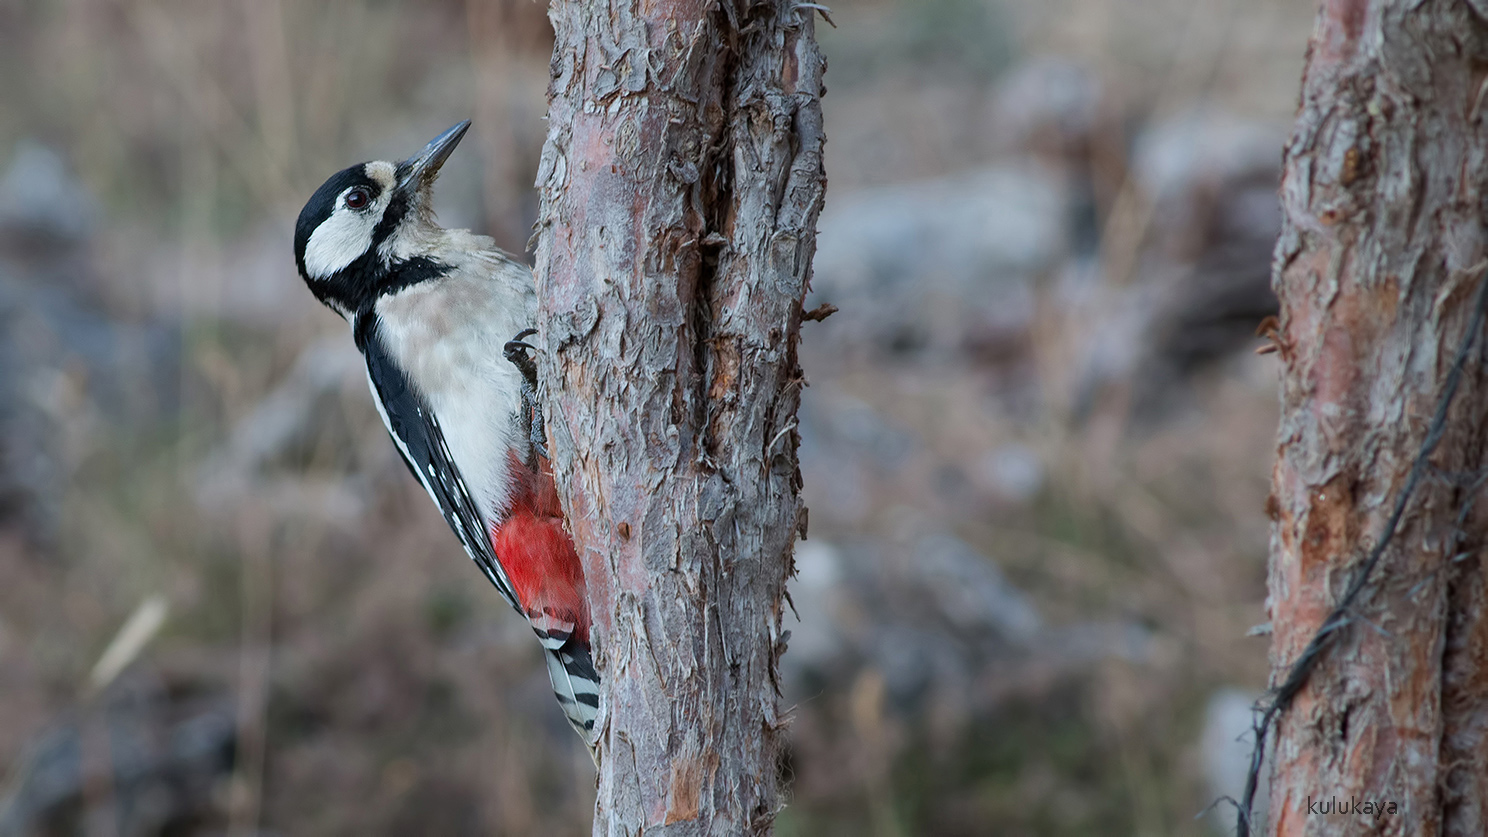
x: 440, y: 316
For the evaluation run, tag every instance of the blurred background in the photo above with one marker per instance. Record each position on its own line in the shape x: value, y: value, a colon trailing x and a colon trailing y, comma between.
x: 1036, y: 441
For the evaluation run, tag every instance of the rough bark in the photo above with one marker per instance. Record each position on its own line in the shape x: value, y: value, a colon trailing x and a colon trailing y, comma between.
x: 680, y: 182
x: 1381, y: 253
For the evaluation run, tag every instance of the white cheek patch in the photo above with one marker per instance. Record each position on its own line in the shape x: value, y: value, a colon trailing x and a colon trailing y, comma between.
x: 339, y: 240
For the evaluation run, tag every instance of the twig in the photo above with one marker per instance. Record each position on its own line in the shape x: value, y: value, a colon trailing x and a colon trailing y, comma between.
x: 784, y: 430
x: 820, y: 312
x: 1307, y: 662
x: 825, y: 12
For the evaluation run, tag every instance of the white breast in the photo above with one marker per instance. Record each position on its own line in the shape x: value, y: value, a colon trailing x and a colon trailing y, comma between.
x: 447, y: 335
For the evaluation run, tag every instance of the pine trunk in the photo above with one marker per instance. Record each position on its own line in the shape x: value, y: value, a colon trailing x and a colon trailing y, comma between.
x: 680, y: 181
x: 1377, y: 269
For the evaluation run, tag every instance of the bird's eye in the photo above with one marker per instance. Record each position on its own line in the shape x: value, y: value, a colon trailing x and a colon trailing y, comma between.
x: 357, y: 198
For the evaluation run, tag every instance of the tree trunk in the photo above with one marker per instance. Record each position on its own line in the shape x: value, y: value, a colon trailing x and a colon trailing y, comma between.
x: 681, y: 181
x: 1377, y: 269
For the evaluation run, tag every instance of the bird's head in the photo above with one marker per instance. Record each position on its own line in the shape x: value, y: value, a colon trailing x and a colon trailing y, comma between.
x: 365, y: 232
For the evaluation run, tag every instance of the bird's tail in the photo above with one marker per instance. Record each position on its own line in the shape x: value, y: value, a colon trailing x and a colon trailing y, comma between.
x: 575, y: 681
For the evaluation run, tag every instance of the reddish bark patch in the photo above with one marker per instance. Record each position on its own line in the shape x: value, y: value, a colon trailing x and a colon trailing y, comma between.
x: 1338, y: 30
x: 1335, y: 370
x: 686, y: 789
x: 1329, y: 514
x: 725, y: 369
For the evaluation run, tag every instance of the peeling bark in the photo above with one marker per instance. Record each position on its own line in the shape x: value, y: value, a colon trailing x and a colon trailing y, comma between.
x: 1382, y: 248
x: 680, y: 181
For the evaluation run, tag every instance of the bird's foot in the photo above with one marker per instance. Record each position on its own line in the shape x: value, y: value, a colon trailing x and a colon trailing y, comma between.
x: 516, y: 353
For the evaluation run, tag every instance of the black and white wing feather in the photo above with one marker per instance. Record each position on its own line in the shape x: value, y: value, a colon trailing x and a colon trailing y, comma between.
x: 416, y: 432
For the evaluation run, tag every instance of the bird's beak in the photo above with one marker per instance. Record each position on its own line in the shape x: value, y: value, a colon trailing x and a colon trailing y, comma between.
x: 423, y: 167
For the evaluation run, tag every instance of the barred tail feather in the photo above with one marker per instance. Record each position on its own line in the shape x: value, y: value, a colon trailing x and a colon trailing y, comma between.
x: 571, y: 669
x: 538, y: 557
x: 576, y: 685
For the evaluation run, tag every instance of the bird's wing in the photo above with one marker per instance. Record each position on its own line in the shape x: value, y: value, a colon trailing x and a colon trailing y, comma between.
x: 415, y: 430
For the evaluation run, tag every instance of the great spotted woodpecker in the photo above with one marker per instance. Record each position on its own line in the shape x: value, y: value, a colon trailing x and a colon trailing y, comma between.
x: 439, y: 316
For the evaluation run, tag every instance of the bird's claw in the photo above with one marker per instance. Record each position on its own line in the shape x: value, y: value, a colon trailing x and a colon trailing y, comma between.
x: 512, y: 344
x: 515, y: 352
